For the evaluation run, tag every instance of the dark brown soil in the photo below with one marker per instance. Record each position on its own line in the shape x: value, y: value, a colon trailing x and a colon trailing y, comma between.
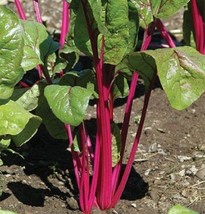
x: 169, y: 167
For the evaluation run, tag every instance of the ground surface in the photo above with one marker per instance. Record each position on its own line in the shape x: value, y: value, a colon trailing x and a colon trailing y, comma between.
x: 169, y: 167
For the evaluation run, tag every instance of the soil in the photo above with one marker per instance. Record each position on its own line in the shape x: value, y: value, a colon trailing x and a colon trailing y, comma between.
x: 169, y: 167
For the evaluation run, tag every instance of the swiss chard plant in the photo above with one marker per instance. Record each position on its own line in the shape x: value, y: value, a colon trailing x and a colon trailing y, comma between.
x: 106, y: 32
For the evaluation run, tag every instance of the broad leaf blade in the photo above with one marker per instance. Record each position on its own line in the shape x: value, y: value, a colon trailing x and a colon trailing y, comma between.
x: 168, y: 8
x: 181, y: 72
x: 11, y: 52
x: 182, y: 75
x: 84, y: 78
x: 81, y: 36
x: 117, y: 23
x: 157, y: 8
x: 98, y: 10
x: 144, y: 64
x: 28, y: 132
x: 13, y: 118
x: 133, y: 27
x: 54, y: 126
x: 38, y: 45
x: 28, y: 98
x: 145, y: 11
x: 7, y: 212
x: 69, y: 104
x: 178, y: 209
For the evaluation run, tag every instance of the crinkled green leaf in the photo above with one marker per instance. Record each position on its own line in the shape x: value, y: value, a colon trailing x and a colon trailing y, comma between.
x: 38, y: 45
x: 109, y: 21
x: 99, y: 13
x: 69, y: 104
x: 11, y: 52
x: 179, y: 209
x: 157, y: 8
x: 117, y: 23
x: 13, y: 118
x: 54, y: 126
x: 116, y: 144
x: 181, y: 72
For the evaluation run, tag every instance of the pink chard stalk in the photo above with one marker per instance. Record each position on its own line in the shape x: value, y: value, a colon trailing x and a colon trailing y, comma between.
x: 198, y: 25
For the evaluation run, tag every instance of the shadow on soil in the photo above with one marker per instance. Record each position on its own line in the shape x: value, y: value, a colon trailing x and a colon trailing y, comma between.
x: 45, y: 157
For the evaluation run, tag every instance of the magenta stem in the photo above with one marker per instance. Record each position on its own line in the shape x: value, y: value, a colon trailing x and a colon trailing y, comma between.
x: 76, y: 161
x: 20, y: 9
x: 65, y: 22
x: 84, y: 182
x: 199, y: 27
x: 126, y: 173
x: 103, y: 117
x: 37, y: 11
x: 165, y: 34
x: 116, y: 172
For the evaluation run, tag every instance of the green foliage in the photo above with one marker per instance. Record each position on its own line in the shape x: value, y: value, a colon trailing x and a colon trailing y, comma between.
x: 7, y: 212
x: 37, y: 45
x: 69, y: 104
x: 179, y: 209
x: 149, y: 10
x: 11, y: 52
x: 180, y: 70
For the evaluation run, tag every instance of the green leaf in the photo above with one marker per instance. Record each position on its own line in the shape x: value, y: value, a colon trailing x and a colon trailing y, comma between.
x: 85, y: 78
x: 168, y: 8
x: 98, y: 11
x: 38, y: 45
x: 133, y: 27
x: 81, y: 36
x: 181, y: 72
x: 117, y: 23
x: 188, y: 35
x: 120, y: 87
x: 116, y: 144
x: 178, y: 209
x: 28, y: 132
x: 53, y: 125
x: 11, y: 52
x: 28, y: 98
x: 4, y: 143
x: 157, y: 8
x: 143, y: 63
x: 109, y: 22
x: 6, y: 212
x: 69, y: 104
x: 13, y: 118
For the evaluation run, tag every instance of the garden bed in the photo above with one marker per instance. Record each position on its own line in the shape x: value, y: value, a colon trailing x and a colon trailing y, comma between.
x: 169, y: 167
